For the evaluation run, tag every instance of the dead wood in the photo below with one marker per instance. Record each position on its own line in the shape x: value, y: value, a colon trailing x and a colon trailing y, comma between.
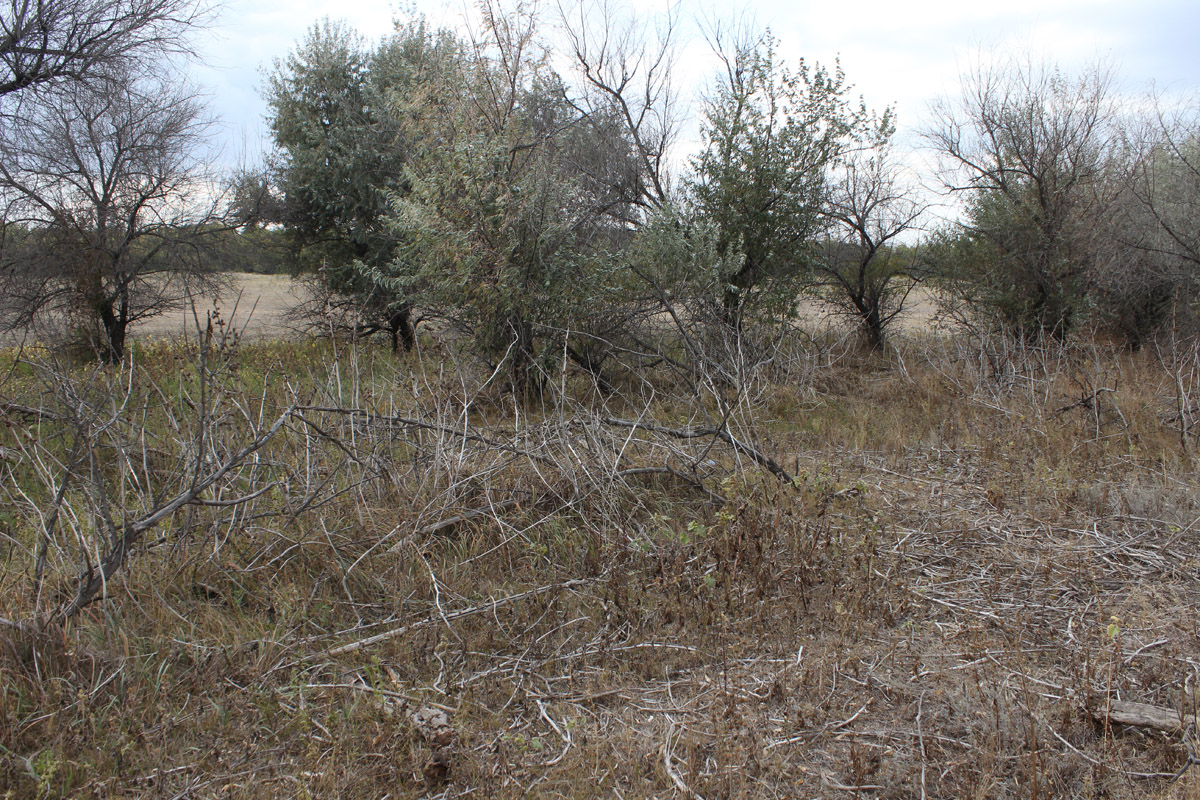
x: 1144, y: 715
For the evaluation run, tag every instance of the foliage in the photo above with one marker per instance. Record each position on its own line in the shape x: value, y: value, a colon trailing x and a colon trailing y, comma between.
x: 770, y: 135
x: 342, y: 155
x: 1027, y: 147
x: 508, y: 231
x: 1152, y: 276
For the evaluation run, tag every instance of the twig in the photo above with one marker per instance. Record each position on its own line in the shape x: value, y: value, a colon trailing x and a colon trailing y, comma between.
x: 566, y: 736
x: 361, y: 687
x: 453, y: 615
x: 1129, y: 658
x: 688, y: 479
x: 670, y: 768
x: 1098, y: 763
x: 408, y: 422
x: 921, y: 742
x: 450, y: 522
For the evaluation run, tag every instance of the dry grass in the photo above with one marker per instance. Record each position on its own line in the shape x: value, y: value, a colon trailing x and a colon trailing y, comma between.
x: 979, y: 549
x: 255, y: 305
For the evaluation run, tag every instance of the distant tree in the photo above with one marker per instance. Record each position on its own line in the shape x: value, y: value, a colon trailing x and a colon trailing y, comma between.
x: 105, y: 184
x: 45, y: 43
x: 770, y: 137
x: 862, y: 268
x: 1026, y: 146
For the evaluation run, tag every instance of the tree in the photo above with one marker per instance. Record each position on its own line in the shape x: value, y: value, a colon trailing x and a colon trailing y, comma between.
x: 507, y: 228
x: 1026, y: 146
x: 44, y: 43
x: 862, y: 268
x: 107, y: 205
x: 625, y: 92
x: 343, y: 155
x: 1154, y: 268
x: 770, y: 136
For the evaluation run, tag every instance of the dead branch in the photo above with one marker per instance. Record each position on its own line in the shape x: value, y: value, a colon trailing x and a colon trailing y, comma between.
x: 408, y: 422
x: 450, y: 522
x: 755, y: 455
x: 1143, y: 715
x: 92, y: 583
x: 684, y: 477
x: 453, y: 615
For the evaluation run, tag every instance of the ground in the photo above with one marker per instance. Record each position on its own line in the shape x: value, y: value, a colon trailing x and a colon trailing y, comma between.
x: 932, y: 572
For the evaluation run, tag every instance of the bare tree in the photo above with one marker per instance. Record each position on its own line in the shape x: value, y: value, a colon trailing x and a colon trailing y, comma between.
x: 45, y: 42
x: 625, y: 90
x: 107, y: 206
x: 863, y: 269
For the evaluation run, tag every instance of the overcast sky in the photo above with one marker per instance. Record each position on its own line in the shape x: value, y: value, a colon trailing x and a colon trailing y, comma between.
x: 904, y: 54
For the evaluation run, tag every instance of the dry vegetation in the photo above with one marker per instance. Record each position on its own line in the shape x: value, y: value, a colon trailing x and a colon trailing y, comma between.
x: 930, y: 574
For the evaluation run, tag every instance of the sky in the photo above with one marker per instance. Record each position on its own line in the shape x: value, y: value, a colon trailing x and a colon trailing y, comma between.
x: 900, y: 54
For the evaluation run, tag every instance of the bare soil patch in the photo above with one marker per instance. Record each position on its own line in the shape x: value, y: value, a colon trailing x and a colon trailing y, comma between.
x: 255, y: 305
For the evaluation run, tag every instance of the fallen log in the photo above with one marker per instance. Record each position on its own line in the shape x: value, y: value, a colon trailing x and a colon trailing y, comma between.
x: 1143, y: 715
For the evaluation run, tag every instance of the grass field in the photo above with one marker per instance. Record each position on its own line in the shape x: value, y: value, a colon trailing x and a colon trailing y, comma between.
x: 255, y: 305
x: 941, y: 572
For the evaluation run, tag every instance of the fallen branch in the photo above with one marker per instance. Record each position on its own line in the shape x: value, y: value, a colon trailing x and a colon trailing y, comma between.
x: 92, y: 583
x: 1144, y: 715
x: 408, y: 422
x: 674, y: 473
x: 757, y: 456
x: 453, y: 615
x: 686, y: 790
x: 450, y: 522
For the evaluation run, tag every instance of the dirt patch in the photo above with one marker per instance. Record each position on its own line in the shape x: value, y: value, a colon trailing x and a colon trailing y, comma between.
x: 255, y: 305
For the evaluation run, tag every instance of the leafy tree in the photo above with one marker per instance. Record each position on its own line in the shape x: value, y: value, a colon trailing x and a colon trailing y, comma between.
x: 770, y: 136
x: 507, y: 228
x: 1027, y: 147
x: 343, y: 156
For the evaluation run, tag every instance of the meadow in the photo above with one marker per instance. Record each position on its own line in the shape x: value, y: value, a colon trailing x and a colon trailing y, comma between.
x: 245, y: 567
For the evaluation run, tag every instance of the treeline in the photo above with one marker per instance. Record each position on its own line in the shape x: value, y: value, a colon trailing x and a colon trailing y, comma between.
x: 537, y: 210
x: 521, y: 182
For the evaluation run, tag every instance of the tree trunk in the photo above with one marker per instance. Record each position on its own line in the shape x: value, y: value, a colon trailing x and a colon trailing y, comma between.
x: 116, y: 324
x: 401, y: 329
x: 526, y: 380
x: 873, y: 325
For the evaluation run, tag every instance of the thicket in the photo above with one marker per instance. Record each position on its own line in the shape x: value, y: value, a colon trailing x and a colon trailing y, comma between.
x: 517, y: 203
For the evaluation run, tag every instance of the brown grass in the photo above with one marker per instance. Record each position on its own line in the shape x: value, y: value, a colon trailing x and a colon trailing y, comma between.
x: 255, y: 305
x: 977, y: 552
